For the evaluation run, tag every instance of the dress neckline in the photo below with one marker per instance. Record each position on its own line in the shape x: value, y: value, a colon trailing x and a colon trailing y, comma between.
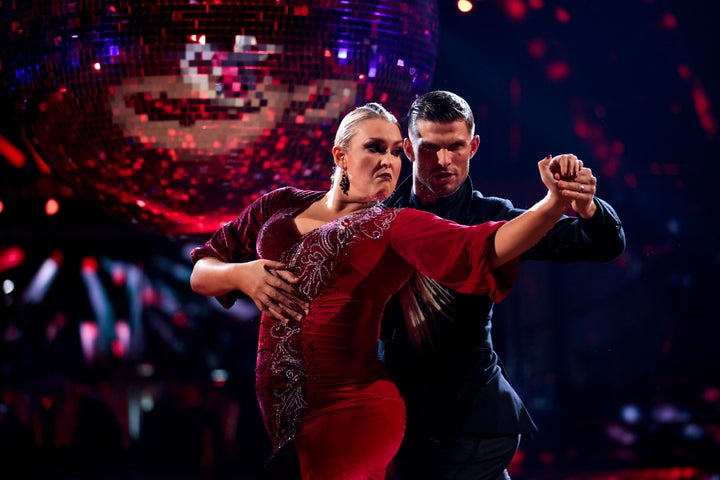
x: 301, y: 235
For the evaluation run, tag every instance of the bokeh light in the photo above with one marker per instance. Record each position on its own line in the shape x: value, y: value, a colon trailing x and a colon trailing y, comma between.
x: 464, y: 6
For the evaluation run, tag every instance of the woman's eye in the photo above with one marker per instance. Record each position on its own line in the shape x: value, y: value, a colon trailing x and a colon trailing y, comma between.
x: 397, y: 152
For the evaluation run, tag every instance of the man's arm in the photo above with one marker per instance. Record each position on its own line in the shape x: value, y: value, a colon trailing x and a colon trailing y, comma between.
x: 596, y: 234
x: 600, y: 238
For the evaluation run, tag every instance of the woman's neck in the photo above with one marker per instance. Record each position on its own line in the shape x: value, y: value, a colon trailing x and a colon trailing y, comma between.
x: 338, y: 204
x: 327, y: 209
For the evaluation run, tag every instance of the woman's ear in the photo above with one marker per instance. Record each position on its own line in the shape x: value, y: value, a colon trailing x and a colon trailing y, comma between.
x: 339, y: 157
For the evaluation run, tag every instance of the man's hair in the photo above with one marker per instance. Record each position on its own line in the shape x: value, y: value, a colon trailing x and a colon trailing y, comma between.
x: 439, y: 106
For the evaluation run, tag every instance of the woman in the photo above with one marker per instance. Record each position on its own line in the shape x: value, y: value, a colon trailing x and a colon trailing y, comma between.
x: 318, y: 380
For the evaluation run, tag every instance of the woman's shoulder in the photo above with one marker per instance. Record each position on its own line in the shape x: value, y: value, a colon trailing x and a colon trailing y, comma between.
x: 410, y: 214
x: 290, y: 195
x: 382, y: 215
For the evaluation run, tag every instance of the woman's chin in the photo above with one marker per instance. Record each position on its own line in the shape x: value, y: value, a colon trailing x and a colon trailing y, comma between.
x: 381, y: 196
x: 384, y: 193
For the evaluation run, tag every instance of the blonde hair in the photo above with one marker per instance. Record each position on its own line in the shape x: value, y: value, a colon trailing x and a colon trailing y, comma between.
x: 349, y: 124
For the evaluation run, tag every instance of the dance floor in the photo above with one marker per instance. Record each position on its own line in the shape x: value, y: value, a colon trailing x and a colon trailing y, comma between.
x: 78, y: 473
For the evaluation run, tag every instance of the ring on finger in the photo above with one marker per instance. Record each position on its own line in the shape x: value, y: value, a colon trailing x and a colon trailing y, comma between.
x: 582, y: 188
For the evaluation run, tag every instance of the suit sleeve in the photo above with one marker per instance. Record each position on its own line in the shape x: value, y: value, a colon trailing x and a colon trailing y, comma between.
x: 600, y: 238
x: 452, y: 254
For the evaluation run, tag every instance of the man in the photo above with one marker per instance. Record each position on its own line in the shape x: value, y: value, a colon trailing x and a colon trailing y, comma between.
x: 464, y: 418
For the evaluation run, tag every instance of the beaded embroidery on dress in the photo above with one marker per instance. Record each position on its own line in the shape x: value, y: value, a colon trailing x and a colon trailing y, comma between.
x: 314, y: 258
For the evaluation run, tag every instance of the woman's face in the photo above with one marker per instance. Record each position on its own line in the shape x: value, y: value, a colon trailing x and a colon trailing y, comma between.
x: 373, y: 160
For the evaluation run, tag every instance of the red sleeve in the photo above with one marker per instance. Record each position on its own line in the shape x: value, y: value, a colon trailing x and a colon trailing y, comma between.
x: 236, y: 241
x: 452, y: 254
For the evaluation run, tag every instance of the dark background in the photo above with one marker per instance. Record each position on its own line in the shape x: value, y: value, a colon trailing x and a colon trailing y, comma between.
x: 618, y: 362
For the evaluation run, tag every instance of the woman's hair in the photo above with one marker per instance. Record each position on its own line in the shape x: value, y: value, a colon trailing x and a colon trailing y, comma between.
x: 349, y: 125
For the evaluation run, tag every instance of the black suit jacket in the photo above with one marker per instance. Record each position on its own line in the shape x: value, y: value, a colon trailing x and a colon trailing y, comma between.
x: 459, y: 385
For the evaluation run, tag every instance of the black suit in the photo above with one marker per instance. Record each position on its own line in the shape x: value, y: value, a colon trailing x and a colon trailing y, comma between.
x: 458, y: 387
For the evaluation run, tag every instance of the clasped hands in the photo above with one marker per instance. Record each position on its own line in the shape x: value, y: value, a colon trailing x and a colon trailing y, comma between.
x: 575, y: 181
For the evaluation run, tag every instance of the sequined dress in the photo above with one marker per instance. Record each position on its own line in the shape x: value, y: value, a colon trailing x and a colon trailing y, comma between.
x: 319, y: 382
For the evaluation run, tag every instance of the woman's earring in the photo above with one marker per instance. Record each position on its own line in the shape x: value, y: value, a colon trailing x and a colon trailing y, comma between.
x: 344, y: 182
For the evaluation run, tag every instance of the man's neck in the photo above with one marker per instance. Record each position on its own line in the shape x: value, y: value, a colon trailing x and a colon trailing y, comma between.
x: 426, y: 197
x: 423, y: 194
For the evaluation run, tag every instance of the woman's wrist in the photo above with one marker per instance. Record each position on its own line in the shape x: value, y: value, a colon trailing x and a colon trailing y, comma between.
x: 551, y: 206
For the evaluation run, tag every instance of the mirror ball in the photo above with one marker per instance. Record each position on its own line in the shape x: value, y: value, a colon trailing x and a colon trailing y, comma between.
x: 174, y: 115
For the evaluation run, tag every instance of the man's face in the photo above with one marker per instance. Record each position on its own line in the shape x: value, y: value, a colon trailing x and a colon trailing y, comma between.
x: 441, y: 154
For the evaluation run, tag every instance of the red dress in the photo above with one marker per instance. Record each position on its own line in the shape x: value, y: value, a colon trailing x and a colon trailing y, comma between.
x: 319, y: 381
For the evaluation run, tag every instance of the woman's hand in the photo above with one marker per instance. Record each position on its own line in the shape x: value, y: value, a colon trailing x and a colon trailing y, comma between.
x: 271, y: 288
x: 268, y: 284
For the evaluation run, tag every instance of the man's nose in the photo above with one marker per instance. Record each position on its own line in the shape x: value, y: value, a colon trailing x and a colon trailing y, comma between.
x: 443, y: 157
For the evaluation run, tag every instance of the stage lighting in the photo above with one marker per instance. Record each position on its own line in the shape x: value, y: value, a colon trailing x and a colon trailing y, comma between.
x: 43, y: 279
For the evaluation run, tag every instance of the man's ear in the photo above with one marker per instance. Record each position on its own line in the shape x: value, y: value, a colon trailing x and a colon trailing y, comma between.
x: 408, y: 149
x: 474, y: 145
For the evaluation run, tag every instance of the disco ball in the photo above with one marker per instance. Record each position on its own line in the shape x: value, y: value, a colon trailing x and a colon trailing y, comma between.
x: 175, y: 114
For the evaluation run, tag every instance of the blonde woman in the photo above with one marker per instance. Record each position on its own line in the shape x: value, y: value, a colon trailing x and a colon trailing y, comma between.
x: 319, y: 382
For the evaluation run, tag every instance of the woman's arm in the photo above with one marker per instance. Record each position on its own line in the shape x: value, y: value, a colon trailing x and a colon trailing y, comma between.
x: 220, y: 265
x: 521, y: 233
x: 213, y: 277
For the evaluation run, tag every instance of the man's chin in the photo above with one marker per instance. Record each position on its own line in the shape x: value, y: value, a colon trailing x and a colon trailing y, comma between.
x: 443, y: 189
